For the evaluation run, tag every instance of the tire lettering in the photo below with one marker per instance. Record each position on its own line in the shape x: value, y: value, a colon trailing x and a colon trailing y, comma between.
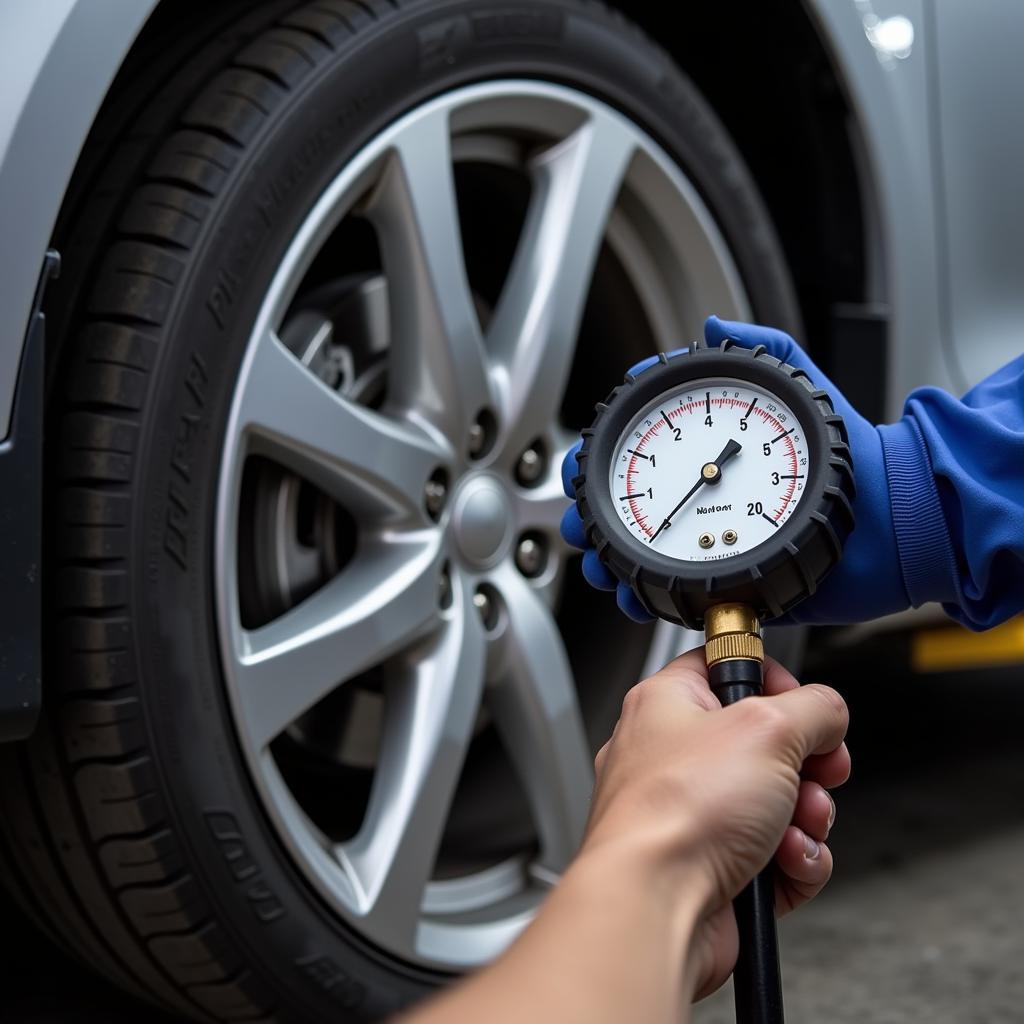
x: 176, y: 526
x: 181, y: 452
x: 196, y: 379
x: 225, y: 831
x: 516, y: 24
x: 332, y: 979
x: 440, y: 44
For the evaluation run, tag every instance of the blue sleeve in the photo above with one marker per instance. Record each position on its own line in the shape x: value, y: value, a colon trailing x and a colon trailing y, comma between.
x: 956, y: 480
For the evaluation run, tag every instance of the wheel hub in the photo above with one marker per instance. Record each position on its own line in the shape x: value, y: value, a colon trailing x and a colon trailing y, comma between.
x: 481, y: 522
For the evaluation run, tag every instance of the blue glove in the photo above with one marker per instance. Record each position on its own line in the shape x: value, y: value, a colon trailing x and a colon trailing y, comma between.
x: 595, y: 572
x: 868, y: 582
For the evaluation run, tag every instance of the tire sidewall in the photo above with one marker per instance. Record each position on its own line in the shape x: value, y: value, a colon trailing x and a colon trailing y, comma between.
x: 305, y: 953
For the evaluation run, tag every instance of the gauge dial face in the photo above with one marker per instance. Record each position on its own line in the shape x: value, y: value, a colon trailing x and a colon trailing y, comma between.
x: 710, y: 470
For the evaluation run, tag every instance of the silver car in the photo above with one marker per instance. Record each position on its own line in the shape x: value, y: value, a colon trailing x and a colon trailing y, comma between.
x: 310, y: 685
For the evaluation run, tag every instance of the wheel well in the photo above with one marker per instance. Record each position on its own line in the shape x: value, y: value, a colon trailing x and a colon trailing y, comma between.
x: 765, y: 70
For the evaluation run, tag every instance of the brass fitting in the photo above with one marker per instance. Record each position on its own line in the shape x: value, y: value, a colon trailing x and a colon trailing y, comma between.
x: 732, y: 631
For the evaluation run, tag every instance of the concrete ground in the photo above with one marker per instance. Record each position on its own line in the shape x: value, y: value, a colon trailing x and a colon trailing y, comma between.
x: 922, y: 922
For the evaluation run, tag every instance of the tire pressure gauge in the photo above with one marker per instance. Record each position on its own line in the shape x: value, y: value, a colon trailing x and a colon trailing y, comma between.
x: 717, y: 476
x: 718, y: 484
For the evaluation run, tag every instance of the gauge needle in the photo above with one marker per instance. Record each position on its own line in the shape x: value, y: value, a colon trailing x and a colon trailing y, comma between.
x: 711, y: 472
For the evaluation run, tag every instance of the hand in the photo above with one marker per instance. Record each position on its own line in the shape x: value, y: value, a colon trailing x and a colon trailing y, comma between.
x: 868, y: 581
x: 691, y: 801
x: 709, y: 795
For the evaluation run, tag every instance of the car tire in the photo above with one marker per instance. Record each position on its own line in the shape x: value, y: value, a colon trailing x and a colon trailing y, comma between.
x: 132, y: 826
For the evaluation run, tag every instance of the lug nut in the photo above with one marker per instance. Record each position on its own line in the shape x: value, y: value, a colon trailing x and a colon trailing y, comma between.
x: 531, y: 556
x: 476, y: 439
x: 531, y: 466
x: 705, y: 540
x: 481, y: 434
x: 729, y: 536
x: 486, y: 603
x: 435, y: 493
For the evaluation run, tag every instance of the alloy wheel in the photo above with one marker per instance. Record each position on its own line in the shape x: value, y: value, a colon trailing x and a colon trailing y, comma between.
x: 389, y: 570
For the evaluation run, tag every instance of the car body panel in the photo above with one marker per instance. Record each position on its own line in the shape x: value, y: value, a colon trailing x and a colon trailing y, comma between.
x: 890, y: 99
x: 58, y: 60
x: 976, y: 80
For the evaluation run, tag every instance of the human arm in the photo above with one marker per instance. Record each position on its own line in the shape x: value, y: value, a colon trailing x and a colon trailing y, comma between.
x: 939, y: 508
x: 691, y: 801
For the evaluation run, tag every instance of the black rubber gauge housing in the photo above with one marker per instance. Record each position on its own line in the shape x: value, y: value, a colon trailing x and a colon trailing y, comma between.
x: 773, y: 576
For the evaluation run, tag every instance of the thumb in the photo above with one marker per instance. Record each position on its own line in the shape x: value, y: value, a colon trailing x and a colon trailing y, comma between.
x: 571, y: 470
x: 778, y: 343
x: 783, y: 347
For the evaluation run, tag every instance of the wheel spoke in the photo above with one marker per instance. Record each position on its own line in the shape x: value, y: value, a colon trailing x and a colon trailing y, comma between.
x: 369, y: 462
x: 437, y: 361
x: 537, y: 712
x: 533, y: 335
x: 430, y: 719
x: 382, y: 602
x: 668, y: 642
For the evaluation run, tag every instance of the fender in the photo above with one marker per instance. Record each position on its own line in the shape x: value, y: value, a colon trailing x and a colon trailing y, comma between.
x: 58, y: 61
x: 21, y: 534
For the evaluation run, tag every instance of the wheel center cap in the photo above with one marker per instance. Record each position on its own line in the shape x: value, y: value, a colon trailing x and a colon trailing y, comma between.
x: 480, y: 519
